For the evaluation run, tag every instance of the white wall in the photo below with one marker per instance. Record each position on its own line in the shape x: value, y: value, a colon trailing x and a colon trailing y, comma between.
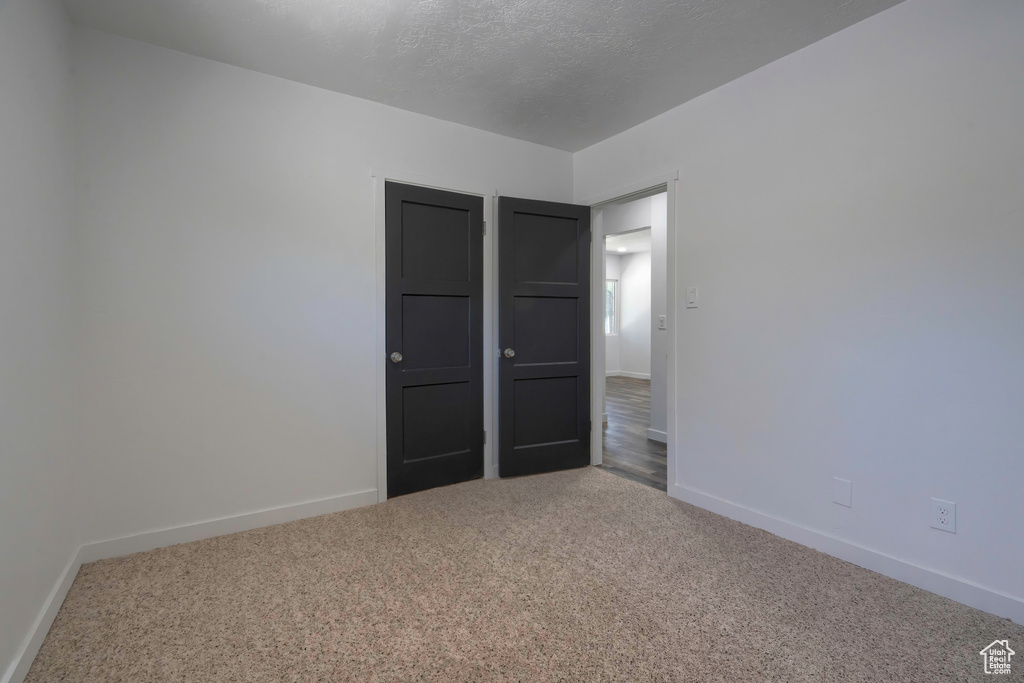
x: 659, y: 306
x: 227, y: 229
x: 37, y: 455
x: 635, y: 316
x: 852, y: 215
x: 612, y: 271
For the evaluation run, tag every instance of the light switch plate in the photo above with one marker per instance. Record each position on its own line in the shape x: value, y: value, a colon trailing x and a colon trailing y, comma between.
x: 691, y: 297
x: 662, y: 322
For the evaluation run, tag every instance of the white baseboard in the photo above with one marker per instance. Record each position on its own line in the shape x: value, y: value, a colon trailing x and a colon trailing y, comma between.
x: 26, y: 654
x: 150, y: 540
x: 961, y: 590
x: 657, y: 435
x: 161, y: 538
x: 624, y: 373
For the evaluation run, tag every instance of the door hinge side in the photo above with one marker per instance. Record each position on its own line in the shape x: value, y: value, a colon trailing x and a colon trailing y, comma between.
x: 485, y: 227
x: 485, y: 437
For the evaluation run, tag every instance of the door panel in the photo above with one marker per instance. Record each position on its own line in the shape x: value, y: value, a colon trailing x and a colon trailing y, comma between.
x: 436, y: 243
x: 546, y: 411
x: 431, y: 429
x: 544, y: 317
x: 544, y: 248
x: 434, y: 320
x: 546, y: 330
x: 435, y: 331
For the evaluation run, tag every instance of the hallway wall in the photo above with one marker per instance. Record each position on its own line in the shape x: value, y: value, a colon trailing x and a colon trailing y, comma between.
x: 635, y: 328
x: 613, y: 271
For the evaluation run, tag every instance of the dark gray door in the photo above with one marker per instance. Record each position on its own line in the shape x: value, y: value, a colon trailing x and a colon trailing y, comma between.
x: 434, y: 332
x: 544, y: 332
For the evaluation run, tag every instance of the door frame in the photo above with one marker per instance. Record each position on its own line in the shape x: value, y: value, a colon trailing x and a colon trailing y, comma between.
x: 669, y: 181
x: 448, y: 183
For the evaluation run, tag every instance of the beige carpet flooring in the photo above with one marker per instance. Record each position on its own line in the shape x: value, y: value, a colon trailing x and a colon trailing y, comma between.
x: 574, y: 576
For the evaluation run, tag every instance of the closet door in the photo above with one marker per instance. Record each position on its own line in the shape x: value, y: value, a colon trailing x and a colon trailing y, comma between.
x: 434, y: 333
x: 544, y: 332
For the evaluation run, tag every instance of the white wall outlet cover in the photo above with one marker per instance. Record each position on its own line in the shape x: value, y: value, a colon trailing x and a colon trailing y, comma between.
x: 691, y: 297
x: 842, y: 492
x: 662, y: 322
x: 943, y: 515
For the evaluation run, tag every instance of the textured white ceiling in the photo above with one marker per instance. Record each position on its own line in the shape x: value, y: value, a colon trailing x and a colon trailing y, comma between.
x: 563, y: 73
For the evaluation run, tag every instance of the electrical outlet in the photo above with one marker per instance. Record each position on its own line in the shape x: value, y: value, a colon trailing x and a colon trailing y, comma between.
x: 943, y: 515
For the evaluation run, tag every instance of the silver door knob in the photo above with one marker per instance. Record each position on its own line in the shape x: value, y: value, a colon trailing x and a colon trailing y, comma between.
x: 396, y: 357
x: 510, y: 353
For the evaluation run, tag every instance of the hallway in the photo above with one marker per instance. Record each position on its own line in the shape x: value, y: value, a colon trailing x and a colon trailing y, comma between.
x: 627, y: 450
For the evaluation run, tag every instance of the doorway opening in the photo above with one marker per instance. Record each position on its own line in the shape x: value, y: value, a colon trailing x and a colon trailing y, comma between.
x: 635, y: 326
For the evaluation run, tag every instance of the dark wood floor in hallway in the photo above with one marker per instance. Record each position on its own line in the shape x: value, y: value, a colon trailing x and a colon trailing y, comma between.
x: 627, y: 450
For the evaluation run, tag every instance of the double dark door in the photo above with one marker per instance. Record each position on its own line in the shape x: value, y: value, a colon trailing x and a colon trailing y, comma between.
x: 434, y: 335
